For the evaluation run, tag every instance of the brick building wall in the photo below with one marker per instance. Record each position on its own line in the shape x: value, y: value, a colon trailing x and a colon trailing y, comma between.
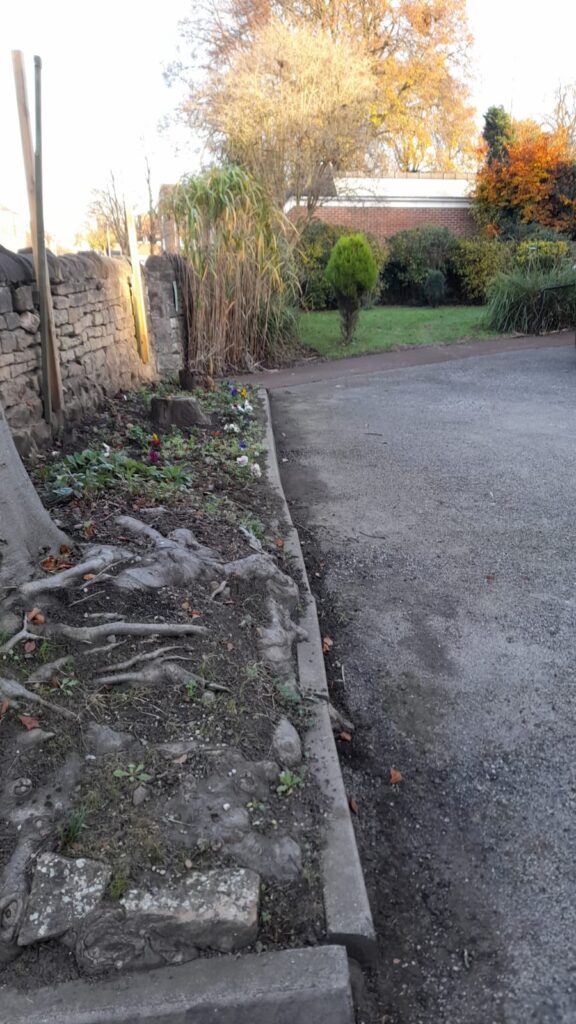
x: 383, y: 221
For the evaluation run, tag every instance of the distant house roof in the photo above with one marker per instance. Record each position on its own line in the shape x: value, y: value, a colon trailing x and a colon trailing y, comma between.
x: 413, y: 190
x: 416, y: 186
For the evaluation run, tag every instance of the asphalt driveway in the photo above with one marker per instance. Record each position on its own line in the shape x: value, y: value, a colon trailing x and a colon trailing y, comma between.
x: 442, y: 501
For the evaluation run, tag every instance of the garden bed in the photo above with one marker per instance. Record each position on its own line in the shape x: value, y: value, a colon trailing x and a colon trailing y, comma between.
x: 154, y: 757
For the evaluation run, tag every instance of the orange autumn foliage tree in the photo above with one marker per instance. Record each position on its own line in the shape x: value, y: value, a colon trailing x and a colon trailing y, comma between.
x: 532, y: 184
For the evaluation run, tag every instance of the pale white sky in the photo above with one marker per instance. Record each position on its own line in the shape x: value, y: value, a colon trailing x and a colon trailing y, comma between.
x: 104, y: 90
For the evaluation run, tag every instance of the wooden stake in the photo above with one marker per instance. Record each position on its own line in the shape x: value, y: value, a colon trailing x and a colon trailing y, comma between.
x: 138, y: 305
x: 51, y: 378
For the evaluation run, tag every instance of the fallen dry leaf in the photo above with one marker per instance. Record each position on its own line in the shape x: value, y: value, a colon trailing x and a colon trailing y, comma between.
x: 395, y: 776
x: 65, y: 550
x: 28, y: 722
x: 327, y: 644
x: 89, y: 530
x: 36, y: 617
x: 196, y: 615
x: 490, y: 578
x: 49, y: 564
x: 29, y: 647
x: 345, y: 737
x: 353, y: 805
x: 6, y: 704
x: 89, y: 576
x: 279, y: 542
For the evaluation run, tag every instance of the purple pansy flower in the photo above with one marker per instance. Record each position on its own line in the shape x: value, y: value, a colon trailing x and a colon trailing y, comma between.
x: 242, y: 445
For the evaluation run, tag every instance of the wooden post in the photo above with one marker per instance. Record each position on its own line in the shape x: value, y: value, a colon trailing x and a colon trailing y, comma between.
x: 51, y: 379
x: 138, y: 306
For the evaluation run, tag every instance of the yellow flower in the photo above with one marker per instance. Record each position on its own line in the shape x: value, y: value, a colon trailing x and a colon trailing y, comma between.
x: 244, y: 392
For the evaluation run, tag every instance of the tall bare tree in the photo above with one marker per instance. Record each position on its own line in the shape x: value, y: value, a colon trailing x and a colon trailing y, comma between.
x: 563, y: 115
x: 418, y: 49
x: 309, y: 98
x: 107, y: 210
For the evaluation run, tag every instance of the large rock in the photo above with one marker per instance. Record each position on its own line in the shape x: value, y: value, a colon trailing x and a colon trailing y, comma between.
x: 63, y: 893
x: 214, y: 910
x: 286, y: 744
x: 102, y: 740
x: 277, y: 859
x: 178, y: 411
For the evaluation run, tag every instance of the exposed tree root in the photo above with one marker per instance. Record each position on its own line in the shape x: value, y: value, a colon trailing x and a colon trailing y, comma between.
x: 44, y: 673
x: 175, y: 561
x: 150, y: 656
x: 86, y: 634
x: 99, y: 560
x: 22, y: 634
x: 14, y: 692
x: 151, y: 675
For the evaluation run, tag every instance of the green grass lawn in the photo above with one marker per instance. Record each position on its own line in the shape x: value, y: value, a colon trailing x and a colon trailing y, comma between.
x: 386, y: 327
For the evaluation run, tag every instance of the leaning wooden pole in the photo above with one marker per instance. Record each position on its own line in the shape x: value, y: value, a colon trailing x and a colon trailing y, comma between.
x: 51, y: 378
x: 138, y: 305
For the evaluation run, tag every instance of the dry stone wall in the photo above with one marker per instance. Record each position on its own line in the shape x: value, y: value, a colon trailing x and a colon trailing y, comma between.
x: 95, y: 331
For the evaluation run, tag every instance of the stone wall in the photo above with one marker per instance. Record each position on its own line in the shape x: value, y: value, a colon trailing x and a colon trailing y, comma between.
x: 165, y: 316
x: 95, y: 331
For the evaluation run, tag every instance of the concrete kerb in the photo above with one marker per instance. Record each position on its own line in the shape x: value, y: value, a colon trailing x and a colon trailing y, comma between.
x: 348, y: 916
x: 296, y: 986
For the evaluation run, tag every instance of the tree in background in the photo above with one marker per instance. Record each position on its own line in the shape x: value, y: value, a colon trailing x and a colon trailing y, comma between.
x: 563, y: 116
x: 108, y: 212
x: 418, y: 52
x: 352, y: 272
x: 308, y: 98
x: 532, y: 182
x: 497, y: 133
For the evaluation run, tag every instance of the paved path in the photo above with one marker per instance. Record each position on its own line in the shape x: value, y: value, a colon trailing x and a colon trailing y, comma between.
x: 414, y: 355
x: 443, y: 501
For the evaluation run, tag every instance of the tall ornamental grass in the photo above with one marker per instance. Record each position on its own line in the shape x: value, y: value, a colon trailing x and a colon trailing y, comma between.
x: 239, y: 281
x: 532, y: 301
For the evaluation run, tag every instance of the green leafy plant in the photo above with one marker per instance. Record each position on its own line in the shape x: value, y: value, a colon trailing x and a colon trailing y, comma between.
x: 191, y: 690
x: 541, y: 254
x: 412, y: 255
x: 68, y: 684
x: 474, y: 262
x: 532, y: 301
x: 434, y: 288
x: 288, y: 781
x: 132, y: 773
x: 73, y: 828
x: 352, y: 272
x: 117, y: 886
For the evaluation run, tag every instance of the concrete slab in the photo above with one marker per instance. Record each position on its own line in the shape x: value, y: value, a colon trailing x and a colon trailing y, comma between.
x: 299, y: 986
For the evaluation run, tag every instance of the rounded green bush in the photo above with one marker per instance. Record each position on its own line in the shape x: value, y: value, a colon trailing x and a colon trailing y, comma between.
x: 352, y: 272
x: 435, y: 288
x: 412, y: 255
x: 474, y: 262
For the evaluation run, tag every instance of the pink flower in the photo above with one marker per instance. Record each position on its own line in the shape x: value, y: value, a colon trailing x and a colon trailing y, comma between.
x: 153, y: 456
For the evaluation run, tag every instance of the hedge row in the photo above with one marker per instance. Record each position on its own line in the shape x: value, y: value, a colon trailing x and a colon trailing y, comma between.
x: 424, y: 266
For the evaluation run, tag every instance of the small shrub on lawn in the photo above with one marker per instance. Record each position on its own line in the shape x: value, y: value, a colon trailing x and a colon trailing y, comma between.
x: 474, y: 262
x: 316, y: 242
x: 352, y: 272
x: 412, y: 255
x: 435, y: 288
x: 530, y: 301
